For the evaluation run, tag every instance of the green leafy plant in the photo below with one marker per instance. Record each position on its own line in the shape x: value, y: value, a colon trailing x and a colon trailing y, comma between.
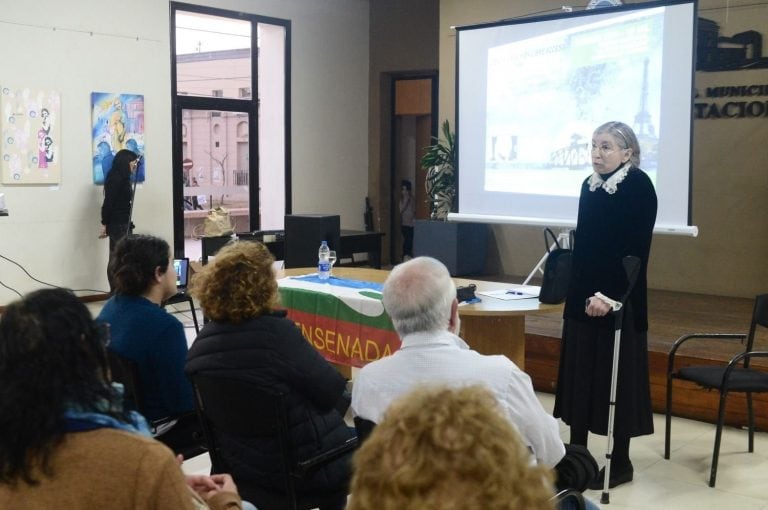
x: 439, y: 161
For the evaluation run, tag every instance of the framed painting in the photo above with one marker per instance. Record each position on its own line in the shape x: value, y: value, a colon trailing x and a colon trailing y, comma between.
x: 31, y: 130
x: 117, y: 123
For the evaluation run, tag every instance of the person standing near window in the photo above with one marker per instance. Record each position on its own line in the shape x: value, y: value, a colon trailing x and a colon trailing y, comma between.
x: 406, y: 218
x: 118, y: 198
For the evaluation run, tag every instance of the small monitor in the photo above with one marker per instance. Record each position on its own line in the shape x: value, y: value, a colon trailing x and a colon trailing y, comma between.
x: 181, y: 266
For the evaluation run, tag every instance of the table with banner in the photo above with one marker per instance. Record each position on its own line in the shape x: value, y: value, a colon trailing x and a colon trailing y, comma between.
x: 345, y: 320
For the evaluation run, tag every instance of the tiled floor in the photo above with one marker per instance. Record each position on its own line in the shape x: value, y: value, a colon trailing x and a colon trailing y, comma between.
x: 681, y: 482
x: 676, y: 484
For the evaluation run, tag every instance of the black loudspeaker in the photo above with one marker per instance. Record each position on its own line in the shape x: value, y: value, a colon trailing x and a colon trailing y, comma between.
x: 303, y: 235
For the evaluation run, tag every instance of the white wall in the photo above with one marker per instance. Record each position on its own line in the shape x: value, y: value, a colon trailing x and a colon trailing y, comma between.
x: 52, y: 231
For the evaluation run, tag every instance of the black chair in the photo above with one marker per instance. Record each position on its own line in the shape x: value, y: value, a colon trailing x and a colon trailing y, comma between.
x: 570, y: 497
x: 243, y: 409
x: 126, y: 372
x: 735, y: 377
x: 363, y: 427
x: 183, y: 297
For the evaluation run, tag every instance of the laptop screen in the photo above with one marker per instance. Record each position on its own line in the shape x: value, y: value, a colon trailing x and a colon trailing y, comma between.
x: 181, y: 266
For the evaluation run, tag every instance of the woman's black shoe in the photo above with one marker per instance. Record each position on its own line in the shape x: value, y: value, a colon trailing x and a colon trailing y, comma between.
x: 619, y: 476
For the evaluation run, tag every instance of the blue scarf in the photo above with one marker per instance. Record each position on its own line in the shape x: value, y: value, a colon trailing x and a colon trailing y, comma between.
x: 79, y: 420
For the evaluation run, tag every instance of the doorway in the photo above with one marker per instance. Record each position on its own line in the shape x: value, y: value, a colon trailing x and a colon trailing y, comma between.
x: 414, y: 123
x: 231, y: 126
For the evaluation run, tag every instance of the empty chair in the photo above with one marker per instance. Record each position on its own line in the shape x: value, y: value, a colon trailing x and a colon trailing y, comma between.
x: 238, y: 414
x: 736, y: 376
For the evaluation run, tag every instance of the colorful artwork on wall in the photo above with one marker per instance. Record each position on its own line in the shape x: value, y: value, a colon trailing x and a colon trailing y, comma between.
x: 31, y: 136
x: 117, y: 123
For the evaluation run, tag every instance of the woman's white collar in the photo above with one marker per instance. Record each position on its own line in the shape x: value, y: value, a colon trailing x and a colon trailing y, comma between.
x: 612, y: 183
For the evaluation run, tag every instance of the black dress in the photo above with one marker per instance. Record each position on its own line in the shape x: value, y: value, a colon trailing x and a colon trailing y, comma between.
x: 609, y: 227
x: 116, y: 208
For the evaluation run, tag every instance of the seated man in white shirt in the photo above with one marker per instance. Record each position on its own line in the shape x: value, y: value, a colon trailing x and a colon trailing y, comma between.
x: 420, y: 298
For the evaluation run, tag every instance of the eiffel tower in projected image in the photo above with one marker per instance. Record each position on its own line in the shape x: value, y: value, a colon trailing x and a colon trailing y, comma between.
x: 644, y: 128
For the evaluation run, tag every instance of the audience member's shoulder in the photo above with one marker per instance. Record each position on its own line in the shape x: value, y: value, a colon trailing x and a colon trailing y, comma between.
x: 379, y: 366
x: 108, y: 309
x: 129, y: 447
x: 498, y: 361
x: 277, y: 321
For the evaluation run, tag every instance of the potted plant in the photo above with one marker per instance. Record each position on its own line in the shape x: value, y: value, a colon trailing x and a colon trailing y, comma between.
x: 439, y: 161
x: 444, y: 240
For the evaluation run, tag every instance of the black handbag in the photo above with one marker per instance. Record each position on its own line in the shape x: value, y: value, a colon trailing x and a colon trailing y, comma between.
x: 557, y: 270
x: 576, y: 469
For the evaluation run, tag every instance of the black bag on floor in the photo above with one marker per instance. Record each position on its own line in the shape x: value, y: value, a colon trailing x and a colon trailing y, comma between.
x: 576, y: 469
x: 557, y: 271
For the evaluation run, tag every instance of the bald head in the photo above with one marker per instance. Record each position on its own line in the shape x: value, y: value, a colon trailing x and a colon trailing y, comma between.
x: 418, y: 296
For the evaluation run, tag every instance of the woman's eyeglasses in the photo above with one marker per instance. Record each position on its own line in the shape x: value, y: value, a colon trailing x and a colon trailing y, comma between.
x: 604, y: 150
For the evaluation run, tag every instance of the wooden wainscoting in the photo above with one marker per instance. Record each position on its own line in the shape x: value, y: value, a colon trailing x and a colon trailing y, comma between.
x: 671, y: 315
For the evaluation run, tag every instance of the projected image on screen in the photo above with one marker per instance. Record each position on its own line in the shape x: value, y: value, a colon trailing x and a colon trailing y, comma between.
x: 531, y: 91
x: 546, y: 94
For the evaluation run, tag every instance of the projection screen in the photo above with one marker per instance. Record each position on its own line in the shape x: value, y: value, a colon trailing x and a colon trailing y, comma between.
x: 531, y: 91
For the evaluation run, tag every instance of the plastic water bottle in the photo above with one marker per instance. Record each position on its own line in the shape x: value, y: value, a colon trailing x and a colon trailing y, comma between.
x: 324, y: 261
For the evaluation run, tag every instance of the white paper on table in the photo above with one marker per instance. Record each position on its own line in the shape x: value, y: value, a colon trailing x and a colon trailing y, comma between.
x: 516, y: 292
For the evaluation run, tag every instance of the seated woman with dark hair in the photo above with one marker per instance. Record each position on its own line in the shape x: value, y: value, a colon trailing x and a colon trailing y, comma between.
x: 249, y: 339
x: 145, y: 333
x: 66, y: 440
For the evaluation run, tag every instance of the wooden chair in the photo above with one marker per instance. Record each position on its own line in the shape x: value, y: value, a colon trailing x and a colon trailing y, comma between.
x: 236, y: 408
x: 735, y: 377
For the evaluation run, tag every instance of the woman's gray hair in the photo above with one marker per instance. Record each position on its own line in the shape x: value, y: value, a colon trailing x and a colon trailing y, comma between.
x: 625, y: 137
x: 418, y: 295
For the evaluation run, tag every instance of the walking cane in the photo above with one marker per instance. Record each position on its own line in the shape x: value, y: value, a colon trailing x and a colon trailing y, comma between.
x: 631, y: 267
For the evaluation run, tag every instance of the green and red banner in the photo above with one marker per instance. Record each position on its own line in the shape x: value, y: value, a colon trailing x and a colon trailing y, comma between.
x: 346, y: 325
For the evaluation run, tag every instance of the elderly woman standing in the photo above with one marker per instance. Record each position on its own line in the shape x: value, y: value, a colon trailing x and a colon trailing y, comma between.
x: 617, y: 212
x: 249, y: 339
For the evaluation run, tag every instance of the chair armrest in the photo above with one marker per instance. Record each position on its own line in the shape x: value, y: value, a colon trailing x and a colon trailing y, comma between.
x: 324, y: 457
x: 156, y: 424
x: 710, y: 336
x: 569, y: 494
x: 737, y: 359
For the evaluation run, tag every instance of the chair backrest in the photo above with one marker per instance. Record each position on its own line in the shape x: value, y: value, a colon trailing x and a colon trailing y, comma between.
x: 241, y: 409
x: 126, y: 372
x: 363, y: 428
x: 303, y: 235
x: 759, y: 318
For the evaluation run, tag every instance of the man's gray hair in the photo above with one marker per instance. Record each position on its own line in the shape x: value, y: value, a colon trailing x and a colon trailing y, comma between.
x: 418, y: 296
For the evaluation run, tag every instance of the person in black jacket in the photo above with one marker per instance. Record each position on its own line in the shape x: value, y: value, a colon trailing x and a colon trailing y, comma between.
x: 118, y: 198
x: 617, y: 212
x: 252, y: 340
